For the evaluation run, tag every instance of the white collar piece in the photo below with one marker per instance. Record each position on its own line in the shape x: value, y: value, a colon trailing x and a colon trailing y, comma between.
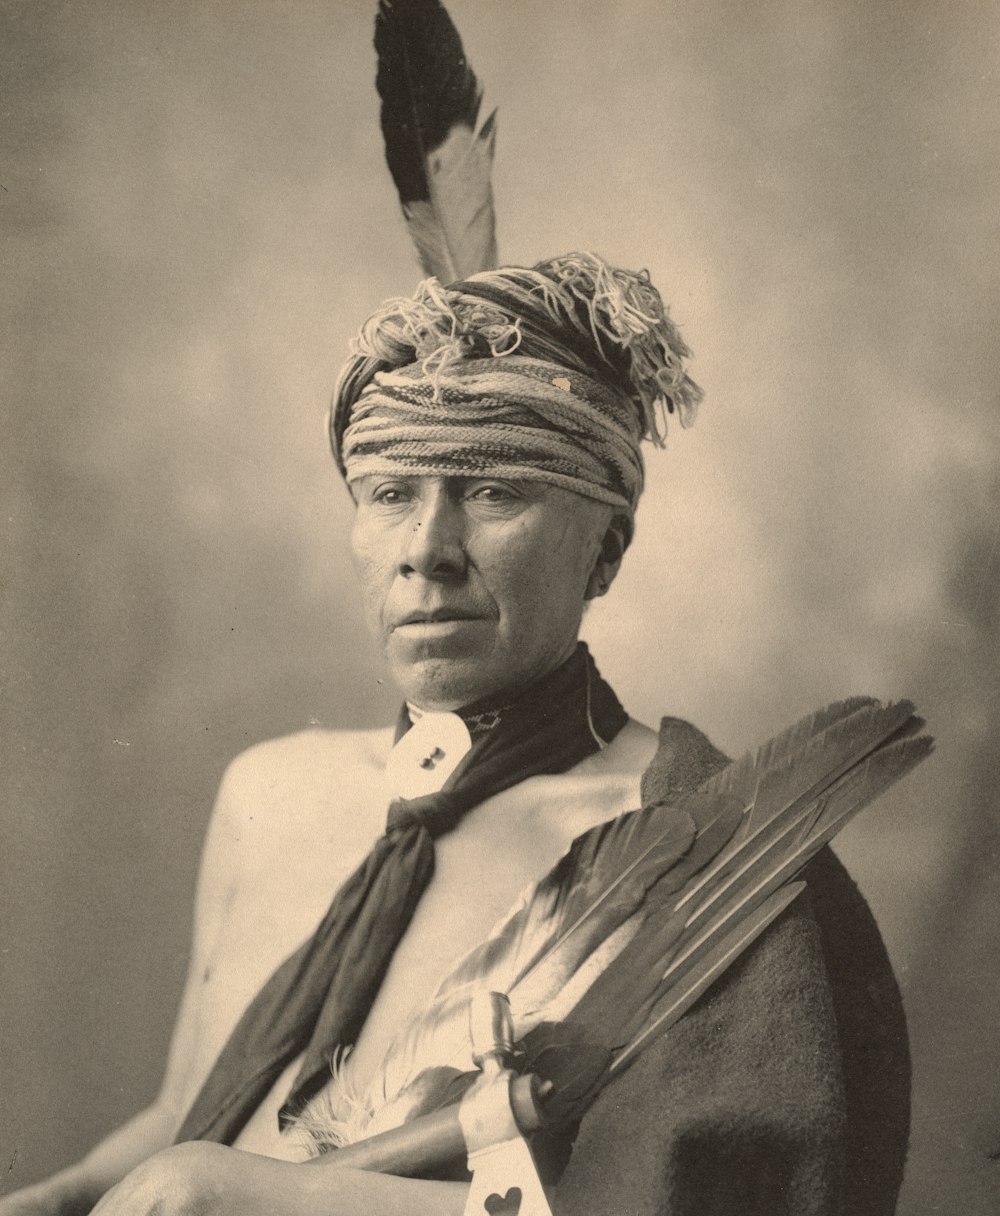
x: 427, y: 755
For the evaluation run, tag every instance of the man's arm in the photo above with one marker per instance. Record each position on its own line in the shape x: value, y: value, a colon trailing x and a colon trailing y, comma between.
x: 74, y: 1190
x: 200, y: 1179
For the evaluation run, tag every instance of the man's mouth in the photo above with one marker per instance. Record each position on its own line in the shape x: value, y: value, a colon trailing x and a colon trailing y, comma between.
x: 434, y: 616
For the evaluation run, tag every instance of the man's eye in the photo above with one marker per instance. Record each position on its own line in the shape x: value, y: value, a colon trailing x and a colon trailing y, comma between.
x: 389, y: 496
x: 492, y: 493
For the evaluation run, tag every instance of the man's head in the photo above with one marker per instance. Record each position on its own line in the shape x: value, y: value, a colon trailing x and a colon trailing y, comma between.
x: 489, y: 432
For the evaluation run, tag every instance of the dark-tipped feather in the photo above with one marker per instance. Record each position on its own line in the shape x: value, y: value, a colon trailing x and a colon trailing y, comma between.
x: 802, y: 787
x: 440, y: 164
x: 556, y: 909
x: 569, y: 925
x: 426, y: 87
x: 787, y: 772
x: 645, y: 912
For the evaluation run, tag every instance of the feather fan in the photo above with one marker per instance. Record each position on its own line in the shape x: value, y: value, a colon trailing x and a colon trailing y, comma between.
x: 644, y: 912
x: 441, y: 164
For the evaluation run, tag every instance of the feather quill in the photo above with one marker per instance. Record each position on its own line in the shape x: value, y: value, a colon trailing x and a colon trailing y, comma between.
x: 745, y: 897
x: 440, y: 162
x: 645, y: 912
x: 582, y: 913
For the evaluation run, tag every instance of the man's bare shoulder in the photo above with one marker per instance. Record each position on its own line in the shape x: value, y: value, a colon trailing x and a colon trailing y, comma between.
x: 632, y: 748
x: 310, y: 758
x: 306, y: 781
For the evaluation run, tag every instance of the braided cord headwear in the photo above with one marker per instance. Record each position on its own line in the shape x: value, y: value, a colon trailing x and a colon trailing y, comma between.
x: 553, y: 374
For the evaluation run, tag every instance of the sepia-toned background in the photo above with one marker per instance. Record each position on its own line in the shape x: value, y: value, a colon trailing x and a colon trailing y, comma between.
x: 195, y: 215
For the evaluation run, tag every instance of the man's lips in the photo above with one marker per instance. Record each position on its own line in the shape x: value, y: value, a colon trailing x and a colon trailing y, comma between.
x: 433, y: 616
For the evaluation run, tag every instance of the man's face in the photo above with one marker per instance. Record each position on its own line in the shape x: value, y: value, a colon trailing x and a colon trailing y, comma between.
x: 472, y: 585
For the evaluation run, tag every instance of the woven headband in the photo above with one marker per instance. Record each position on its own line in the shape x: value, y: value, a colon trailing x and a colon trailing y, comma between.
x: 516, y: 418
x: 554, y: 374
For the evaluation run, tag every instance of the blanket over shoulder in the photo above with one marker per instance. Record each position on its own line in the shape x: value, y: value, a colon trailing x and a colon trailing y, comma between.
x: 784, y: 1090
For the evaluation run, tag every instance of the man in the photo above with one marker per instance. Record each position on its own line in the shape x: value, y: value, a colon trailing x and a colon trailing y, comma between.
x: 489, y: 433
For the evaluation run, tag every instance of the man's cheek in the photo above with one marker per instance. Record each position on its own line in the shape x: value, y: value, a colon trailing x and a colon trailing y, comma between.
x: 374, y: 595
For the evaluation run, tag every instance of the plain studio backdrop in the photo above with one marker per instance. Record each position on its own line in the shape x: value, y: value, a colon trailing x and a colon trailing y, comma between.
x: 195, y: 217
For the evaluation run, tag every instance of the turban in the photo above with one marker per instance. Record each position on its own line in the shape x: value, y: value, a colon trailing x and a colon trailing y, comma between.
x: 554, y: 373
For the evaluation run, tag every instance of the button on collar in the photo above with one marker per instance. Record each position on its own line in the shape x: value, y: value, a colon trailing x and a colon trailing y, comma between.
x: 427, y: 755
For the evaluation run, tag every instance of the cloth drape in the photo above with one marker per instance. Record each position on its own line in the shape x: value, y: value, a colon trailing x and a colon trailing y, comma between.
x: 319, y: 998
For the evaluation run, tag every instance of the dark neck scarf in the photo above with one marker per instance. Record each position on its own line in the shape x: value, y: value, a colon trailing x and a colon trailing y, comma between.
x: 319, y: 998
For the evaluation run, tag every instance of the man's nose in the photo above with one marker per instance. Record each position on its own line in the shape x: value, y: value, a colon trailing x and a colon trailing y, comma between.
x: 434, y: 543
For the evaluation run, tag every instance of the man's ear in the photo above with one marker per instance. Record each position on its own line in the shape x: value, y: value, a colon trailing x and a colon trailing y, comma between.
x: 615, y: 541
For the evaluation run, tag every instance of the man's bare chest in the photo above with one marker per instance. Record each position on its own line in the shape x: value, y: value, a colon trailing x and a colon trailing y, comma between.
x: 480, y: 870
x: 304, y: 858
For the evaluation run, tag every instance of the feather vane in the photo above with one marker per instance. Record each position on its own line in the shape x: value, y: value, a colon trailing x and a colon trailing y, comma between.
x: 645, y: 912
x: 781, y: 778
x: 440, y: 162
x: 760, y: 886
x: 587, y: 908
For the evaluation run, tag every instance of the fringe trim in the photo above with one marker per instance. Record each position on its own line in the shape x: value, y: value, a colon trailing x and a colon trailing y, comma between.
x: 338, y: 1115
x: 430, y: 330
x: 440, y: 326
x: 625, y: 309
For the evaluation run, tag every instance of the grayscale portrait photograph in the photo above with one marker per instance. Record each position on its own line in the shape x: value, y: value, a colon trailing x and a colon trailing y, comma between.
x: 500, y: 615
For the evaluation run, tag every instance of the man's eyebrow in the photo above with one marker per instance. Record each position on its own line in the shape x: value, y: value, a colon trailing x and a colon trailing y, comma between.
x: 372, y: 479
x: 524, y: 484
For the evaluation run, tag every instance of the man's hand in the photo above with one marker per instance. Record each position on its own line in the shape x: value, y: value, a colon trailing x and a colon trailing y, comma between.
x: 31, y: 1201
x: 200, y: 1179
x: 186, y: 1180
x: 65, y: 1194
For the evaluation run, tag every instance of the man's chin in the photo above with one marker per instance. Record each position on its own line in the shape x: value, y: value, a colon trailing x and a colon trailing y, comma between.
x: 442, y: 684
